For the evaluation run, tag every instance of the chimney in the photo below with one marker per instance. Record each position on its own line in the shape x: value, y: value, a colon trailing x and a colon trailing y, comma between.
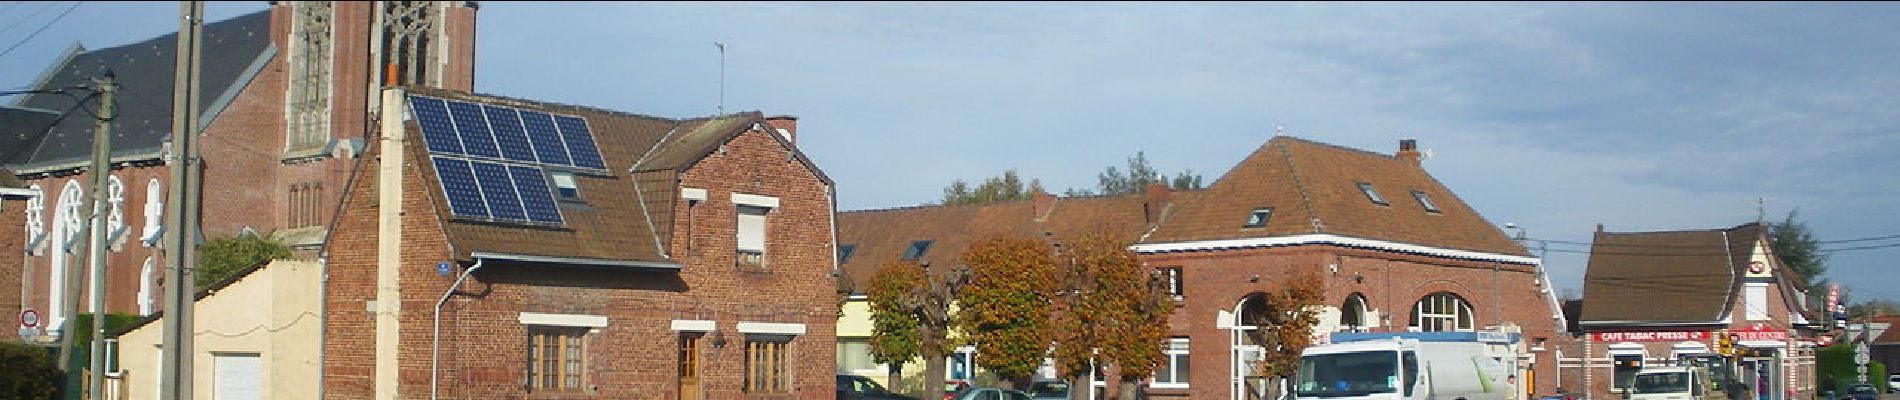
x: 1043, y: 202
x: 786, y: 125
x: 1155, y: 201
x: 1408, y: 151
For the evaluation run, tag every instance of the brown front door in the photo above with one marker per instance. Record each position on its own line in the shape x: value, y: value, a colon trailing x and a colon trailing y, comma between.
x: 689, y: 366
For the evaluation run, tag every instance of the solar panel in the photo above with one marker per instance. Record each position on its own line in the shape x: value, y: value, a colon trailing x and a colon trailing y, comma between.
x: 580, y: 142
x: 535, y: 197
x: 472, y: 128
x: 465, y: 197
x: 508, y: 134
x: 499, y: 190
x: 546, y: 140
x: 433, y: 116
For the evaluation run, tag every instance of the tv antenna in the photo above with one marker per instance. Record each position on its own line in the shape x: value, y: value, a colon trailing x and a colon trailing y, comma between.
x: 722, y: 76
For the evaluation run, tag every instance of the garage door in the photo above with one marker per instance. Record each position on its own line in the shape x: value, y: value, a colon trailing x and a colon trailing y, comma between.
x: 237, y: 377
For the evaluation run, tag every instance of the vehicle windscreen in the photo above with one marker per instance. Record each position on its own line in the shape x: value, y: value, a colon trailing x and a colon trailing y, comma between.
x: 1348, y: 374
x: 1667, y: 382
x: 1049, y: 389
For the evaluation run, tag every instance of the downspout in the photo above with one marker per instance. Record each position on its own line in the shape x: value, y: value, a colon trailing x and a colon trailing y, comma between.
x: 435, y: 351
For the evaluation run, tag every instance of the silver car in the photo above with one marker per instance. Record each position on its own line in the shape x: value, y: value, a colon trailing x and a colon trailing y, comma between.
x: 979, y: 393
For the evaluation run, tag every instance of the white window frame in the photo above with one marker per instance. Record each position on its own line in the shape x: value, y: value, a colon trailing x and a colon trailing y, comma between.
x: 148, y: 287
x: 154, y: 210
x: 1755, y: 301
x: 1175, y: 357
x: 1444, y: 306
x: 35, y: 217
x: 115, y: 202
x: 71, y: 206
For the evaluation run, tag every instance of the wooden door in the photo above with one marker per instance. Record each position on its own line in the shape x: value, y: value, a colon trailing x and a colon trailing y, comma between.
x: 689, y: 367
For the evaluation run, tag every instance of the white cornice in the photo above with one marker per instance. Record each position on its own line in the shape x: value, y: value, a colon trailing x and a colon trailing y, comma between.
x: 1327, y: 239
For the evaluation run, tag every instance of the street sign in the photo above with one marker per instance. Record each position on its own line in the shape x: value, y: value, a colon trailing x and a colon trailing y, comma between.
x: 1862, y: 358
x: 30, y: 318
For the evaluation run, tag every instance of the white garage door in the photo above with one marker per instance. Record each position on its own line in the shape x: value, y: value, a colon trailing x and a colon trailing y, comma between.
x: 238, y: 376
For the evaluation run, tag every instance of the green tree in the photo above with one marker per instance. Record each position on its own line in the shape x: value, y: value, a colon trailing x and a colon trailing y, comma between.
x: 28, y: 372
x: 1872, y: 308
x: 910, y: 317
x: 223, y: 257
x: 1835, y: 367
x: 1005, y: 187
x: 1797, y: 248
x: 1139, y: 176
x: 1005, y: 308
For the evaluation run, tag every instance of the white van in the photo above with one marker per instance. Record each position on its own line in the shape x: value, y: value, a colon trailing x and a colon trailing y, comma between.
x: 1667, y: 383
x: 1893, y: 383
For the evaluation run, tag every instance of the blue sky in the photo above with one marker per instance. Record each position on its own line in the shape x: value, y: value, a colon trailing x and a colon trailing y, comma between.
x: 1556, y: 117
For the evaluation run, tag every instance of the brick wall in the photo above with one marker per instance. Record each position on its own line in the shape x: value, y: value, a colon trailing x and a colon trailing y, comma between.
x: 635, y: 355
x: 1391, y: 283
x: 12, y: 261
x: 125, y: 260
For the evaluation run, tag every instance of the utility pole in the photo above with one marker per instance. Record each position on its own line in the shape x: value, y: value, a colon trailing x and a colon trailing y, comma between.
x: 101, y: 207
x: 181, y: 216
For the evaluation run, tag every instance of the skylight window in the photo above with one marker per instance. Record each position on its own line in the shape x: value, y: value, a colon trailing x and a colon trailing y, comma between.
x: 845, y: 251
x: 1258, y: 218
x: 1372, y: 194
x: 564, y: 186
x: 917, y: 250
x: 1425, y: 201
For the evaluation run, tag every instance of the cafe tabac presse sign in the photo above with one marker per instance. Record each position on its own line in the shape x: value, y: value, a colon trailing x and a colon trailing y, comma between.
x: 1650, y: 336
x: 1752, y: 333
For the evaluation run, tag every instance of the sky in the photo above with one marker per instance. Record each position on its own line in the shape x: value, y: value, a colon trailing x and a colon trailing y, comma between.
x: 1552, y: 117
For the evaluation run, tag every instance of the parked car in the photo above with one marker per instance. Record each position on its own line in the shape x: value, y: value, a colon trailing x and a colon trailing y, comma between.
x: 1862, y: 392
x: 977, y: 393
x: 1893, y: 383
x: 1049, y: 390
x: 954, y: 386
x: 853, y: 387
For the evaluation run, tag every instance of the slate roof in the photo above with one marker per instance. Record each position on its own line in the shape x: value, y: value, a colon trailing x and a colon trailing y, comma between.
x: 233, y: 50
x: 605, y: 228
x: 883, y: 236
x: 1312, y: 189
x: 1698, y: 271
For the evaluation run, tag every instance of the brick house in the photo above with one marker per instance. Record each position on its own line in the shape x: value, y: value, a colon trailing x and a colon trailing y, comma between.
x: 1663, y: 298
x: 1397, y: 251
x: 286, y: 96
x: 938, y: 235
x: 654, y: 258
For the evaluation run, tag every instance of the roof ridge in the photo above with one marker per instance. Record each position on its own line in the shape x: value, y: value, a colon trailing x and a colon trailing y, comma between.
x: 1306, y: 200
x: 1333, y: 146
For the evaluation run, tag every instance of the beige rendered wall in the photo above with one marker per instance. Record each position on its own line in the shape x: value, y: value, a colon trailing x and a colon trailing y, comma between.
x: 272, y: 313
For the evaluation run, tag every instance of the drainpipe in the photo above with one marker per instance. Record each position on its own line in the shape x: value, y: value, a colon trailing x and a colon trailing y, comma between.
x: 435, y: 352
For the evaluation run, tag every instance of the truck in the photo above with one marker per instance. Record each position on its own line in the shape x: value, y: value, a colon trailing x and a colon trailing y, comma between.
x: 1668, y: 383
x: 1411, y: 366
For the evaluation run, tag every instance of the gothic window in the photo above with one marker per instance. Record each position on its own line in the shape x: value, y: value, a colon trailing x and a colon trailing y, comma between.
x: 409, y: 33
x: 310, y: 60
x: 35, y: 217
x: 154, y: 210
x: 71, y: 214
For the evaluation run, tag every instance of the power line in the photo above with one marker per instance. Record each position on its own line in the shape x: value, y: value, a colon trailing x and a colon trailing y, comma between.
x: 29, y: 17
x: 49, y: 24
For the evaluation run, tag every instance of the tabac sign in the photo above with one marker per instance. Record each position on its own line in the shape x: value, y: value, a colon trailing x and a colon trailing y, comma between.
x: 1650, y: 336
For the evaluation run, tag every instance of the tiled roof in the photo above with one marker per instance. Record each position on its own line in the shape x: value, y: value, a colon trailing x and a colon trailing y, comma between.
x: 606, y: 227
x: 1699, y: 270
x: 883, y: 236
x: 233, y: 49
x: 1312, y: 188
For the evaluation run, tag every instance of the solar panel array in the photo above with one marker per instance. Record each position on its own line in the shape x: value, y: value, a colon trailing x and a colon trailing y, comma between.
x: 490, y: 158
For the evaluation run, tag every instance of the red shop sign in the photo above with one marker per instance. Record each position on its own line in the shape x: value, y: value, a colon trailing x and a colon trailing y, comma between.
x: 1650, y: 336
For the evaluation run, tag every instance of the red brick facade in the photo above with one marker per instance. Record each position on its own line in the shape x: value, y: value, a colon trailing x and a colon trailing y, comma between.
x: 1391, y: 283
x: 636, y: 355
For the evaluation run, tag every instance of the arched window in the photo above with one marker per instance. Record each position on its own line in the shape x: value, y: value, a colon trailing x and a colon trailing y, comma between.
x: 154, y: 209
x: 35, y: 216
x: 70, y: 219
x: 115, y: 203
x: 1441, y: 312
x: 148, y: 287
x: 65, y: 230
x: 1352, y: 315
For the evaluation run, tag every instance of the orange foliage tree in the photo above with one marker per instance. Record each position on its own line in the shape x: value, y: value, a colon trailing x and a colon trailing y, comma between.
x: 1006, y: 305
x: 1286, y: 316
x: 1111, y: 311
x: 910, y: 317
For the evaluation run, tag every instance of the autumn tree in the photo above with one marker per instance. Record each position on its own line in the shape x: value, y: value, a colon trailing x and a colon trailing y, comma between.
x: 1005, y: 187
x: 1110, y: 311
x: 1005, y: 308
x: 1285, y: 316
x: 910, y: 318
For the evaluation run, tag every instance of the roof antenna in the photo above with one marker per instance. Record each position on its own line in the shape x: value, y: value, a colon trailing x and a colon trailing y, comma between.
x: 722, y: 77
